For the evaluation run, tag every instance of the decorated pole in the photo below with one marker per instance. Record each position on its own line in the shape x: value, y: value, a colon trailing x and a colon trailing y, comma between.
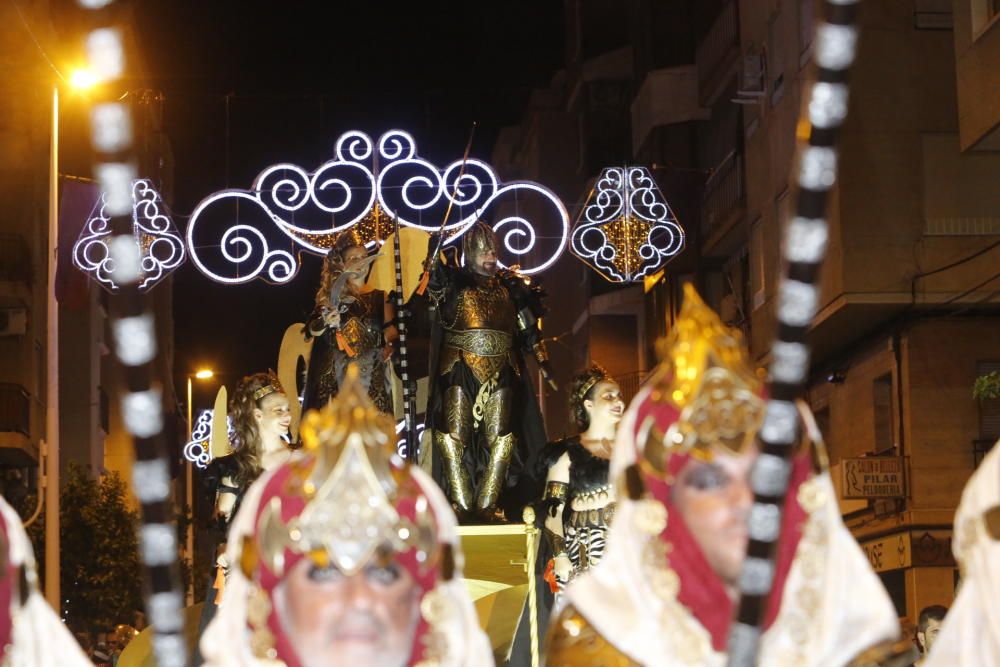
x: 804, y: 248
x: 134, y: 328
x: 402, y: 316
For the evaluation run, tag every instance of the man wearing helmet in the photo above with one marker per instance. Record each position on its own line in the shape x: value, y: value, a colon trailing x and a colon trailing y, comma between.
x: 487, y: 318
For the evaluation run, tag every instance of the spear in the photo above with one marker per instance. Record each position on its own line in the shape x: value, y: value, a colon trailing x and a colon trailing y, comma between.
x: 425, y: 278
x: 402, y: 314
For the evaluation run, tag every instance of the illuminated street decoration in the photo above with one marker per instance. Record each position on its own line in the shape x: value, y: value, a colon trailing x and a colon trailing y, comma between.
x: 199, y: 450
x: 367, y: 184
x: 626, y: 230
x: 160, y: 244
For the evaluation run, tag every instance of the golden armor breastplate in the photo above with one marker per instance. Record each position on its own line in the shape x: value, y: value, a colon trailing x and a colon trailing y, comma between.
x: 486, y: 306
x: 481, y: 331
x: 361, y: 334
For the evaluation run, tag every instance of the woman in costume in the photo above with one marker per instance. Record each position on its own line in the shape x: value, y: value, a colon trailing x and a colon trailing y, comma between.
x: 352, y: 323
x: 347, y: 556
x: 260, y: 416
x: 970, y: 634
x: 31, y: 635
x: 666, y: 589
x: 578, y: 499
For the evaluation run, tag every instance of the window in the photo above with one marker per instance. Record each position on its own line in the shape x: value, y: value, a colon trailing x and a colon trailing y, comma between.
x: 882, y: 410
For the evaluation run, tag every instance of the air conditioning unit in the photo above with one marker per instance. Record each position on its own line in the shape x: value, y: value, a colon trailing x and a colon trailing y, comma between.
x: 13, y: 321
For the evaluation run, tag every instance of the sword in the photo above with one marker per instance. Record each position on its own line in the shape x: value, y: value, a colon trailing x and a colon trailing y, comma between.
x: 339, y: 301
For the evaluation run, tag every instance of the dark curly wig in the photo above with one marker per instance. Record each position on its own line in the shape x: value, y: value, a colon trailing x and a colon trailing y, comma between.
x: 581, y: 389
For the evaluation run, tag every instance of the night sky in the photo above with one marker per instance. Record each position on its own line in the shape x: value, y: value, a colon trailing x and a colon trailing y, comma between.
x: 298, y: 74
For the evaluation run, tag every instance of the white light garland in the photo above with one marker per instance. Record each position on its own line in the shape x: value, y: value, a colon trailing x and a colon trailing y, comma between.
x: 309, y: 209
x: 153, y: 251
x: 627, y: 230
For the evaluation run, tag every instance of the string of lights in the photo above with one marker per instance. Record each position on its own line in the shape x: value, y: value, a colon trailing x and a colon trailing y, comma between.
x: 134, y: 331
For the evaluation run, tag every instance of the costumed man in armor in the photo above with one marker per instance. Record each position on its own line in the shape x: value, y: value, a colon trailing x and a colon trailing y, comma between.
x: 579, y: 500
x: 665, y: 592
x: 347, y: 555
x: 31, y: 634
x: 970, y: 634
x: 483, y: 413
x: 260, y: 416
x: 352, y: 323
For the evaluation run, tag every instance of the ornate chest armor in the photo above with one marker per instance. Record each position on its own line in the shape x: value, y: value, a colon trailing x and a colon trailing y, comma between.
x: 480, y: 329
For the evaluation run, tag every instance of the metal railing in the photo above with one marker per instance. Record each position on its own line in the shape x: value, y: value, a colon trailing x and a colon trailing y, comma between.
x: 15, y: 258
x: 720, y: 38
x: 15, y: 409
x: 724, y: 191
x: 630, y: 383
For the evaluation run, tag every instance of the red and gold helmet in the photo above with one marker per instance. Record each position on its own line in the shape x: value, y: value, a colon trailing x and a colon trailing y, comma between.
x: 347, y: 503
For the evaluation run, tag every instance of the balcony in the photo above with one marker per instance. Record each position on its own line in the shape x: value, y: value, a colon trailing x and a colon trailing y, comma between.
x: 718, y: 53
x: 16, y: 447
x: 667, y: 96
x: 724, y: 199
x: 15, y: 259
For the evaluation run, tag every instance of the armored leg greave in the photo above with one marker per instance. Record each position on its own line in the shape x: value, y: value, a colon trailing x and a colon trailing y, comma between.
x: 500, y: 441
x: 451, y: 445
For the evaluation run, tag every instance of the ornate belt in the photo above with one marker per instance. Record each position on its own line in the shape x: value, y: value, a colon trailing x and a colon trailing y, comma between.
x: 481, y: 342
x: 598, y: 518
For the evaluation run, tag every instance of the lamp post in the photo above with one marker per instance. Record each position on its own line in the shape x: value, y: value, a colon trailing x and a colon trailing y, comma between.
x: 80, y: 80
x: 201, y: 374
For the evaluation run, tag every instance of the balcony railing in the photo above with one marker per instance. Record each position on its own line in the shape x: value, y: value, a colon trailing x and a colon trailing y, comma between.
x: 718, y: 41
x: 15, y: 259
x: 724, y: 192
x: 15, y: 409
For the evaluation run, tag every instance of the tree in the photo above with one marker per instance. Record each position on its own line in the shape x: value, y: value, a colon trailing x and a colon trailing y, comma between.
x: 987, y: 387
x: 101, y: 578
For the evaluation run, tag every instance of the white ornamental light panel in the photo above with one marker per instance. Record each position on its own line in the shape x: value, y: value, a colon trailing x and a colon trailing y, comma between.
x: 161, y: 245
x: 626, y: 230
x: 231, y: 234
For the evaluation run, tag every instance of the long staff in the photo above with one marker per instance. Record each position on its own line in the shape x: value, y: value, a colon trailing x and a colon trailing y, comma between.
x: 431, y: 257
x: 804, y: 248
x: 402, y: 316
x: 133, y: 324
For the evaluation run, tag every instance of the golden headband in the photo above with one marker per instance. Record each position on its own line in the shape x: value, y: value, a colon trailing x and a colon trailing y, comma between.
x: 266, y: 390
x: 599, y: 375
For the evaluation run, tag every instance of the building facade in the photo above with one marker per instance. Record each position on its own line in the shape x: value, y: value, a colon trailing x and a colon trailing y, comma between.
x: 91, y: 432
x: 708, y: 94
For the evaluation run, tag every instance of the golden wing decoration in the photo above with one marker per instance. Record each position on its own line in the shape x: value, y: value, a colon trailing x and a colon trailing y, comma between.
x: 412, y: 251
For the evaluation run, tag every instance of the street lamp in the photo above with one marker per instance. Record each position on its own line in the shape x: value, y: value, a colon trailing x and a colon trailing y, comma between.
x: 200, y: 374
x: 80, y: 80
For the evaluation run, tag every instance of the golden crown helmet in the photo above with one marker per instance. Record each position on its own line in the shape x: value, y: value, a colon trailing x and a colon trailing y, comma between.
x: 477, y: 239
x: 706, y: 376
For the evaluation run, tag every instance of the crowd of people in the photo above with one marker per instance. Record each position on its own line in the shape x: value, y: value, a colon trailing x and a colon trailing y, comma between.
x: 335, y: 550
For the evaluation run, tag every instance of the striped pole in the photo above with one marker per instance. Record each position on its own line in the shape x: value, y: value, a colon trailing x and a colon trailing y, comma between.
x: 409, y: 399
x: 134, y: 330
x: 804, y: 248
